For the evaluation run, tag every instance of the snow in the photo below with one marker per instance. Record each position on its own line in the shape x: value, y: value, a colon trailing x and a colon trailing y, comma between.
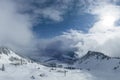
x: 24, y: 72
x: 99, y: 64
x: 34, y: 71
x: 100, y: 69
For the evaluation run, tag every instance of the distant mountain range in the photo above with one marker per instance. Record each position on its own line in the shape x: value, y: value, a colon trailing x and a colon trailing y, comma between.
x: 66, y: 66
x: 90, y: 61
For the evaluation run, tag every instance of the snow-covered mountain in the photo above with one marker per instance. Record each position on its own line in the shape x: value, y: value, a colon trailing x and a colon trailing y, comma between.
x: 7, y: 56
x: 90, y: 61
x: 92, y: 66
x: 15, y: 67
x: 98, y: 61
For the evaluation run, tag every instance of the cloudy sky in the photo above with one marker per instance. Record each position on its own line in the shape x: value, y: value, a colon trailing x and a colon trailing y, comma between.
x: 79, y: 25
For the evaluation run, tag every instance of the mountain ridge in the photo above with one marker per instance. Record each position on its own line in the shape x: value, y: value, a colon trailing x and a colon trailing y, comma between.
x: 15, y: 67
x: 91, y: 60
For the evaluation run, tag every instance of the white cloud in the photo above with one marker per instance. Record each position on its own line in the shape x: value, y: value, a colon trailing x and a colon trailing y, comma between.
x: 16, y: 16
x: 50, y: 13
x: 103, y: 36
x: 16, y: 33
x: 107, y: 43
x: 47, y: 9
x: 107, y: 14
x: 15, y: 28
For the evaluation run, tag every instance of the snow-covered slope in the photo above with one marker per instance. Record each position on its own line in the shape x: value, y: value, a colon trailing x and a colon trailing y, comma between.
x: 7, y: 56
x: 95, y: 66
x: 98, y: 61
x: 15, y: 67
x: 91, y: 61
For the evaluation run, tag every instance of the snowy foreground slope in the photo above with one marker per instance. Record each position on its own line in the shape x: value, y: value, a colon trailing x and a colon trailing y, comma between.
x: 15, y: 67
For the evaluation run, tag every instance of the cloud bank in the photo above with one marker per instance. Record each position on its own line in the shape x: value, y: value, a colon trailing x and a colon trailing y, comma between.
x: 15, y: 28
x: 53, y: 10
x: 103, y: 36
x: 17, y: 20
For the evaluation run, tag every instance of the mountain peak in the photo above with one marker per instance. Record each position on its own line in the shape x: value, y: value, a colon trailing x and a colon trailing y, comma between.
x: 93, y: 53
x: 97, y: 55
x: 9, y: 56
x: 5, y: 50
